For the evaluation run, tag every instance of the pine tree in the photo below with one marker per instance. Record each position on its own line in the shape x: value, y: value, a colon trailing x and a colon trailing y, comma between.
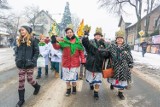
x: 66, y: 20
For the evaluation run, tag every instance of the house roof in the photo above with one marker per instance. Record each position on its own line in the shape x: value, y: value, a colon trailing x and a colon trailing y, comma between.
x: 42, y: 11
x: 133, y: 24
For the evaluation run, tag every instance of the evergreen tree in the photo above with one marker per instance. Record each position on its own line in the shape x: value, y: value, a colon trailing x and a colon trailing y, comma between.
x: 66, y: 20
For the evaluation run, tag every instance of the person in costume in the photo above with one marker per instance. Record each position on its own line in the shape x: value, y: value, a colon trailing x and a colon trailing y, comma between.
x: 122, y: 62
x: 94, y: 49
x: 26, y: 54
x: 43, y: 52
x: 72, y: 56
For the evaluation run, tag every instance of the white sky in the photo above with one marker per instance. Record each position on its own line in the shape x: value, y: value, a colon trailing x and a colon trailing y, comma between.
x: 87, y: 9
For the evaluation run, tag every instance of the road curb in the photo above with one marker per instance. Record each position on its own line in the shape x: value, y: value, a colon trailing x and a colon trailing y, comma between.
x: 147, y: 78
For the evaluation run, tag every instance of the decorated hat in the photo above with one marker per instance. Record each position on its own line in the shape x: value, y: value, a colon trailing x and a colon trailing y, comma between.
x: 120, y: 34
x: 70, y: 26
x: 98, y: 31
x: 87, y: 28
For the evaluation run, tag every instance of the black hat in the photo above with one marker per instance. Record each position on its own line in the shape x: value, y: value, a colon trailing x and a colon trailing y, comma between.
x: 97, y: 33
x: 29, y: 29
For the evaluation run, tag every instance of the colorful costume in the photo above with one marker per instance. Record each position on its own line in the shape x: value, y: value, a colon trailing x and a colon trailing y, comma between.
x: 72, y: 56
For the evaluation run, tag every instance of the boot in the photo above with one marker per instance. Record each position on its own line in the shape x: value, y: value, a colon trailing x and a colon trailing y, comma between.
x: 74, y: 90
x: 21, y: 98
x: 56, y: 74
x: 37, y: 88
x: 68, y: 92
x: 91, y: 87
x: 121, y: 96
x: 38, y: 77
x: 96, y: 96
x: 111, y: 87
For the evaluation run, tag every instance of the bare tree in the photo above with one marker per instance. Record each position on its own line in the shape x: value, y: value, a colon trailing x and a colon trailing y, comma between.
x: 117, y: 6
x: 151, y: 4
x: 11, y: 24
x: 30, y: 13
x: 157, y: 24
x: 4, y: 4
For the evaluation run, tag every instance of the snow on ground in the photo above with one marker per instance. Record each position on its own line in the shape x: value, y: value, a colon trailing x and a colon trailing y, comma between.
x: 151, y: 60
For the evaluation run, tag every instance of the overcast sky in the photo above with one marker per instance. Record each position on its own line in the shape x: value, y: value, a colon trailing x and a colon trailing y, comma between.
x: 87, y: 9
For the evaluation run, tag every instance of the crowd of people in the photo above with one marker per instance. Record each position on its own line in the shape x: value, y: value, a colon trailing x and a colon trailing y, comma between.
x: 70, y: 54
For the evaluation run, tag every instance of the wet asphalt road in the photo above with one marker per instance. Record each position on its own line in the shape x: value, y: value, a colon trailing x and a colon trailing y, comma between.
x: 142, y: 93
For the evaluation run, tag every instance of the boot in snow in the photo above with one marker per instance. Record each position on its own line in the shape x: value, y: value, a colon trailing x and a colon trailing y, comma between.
x: 74, y: 90
x: 21, y: 98
x: 37, y: 88
x: 68, y: 92
x: 121, y: 96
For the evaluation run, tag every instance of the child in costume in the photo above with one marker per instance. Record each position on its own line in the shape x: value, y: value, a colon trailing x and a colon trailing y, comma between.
x: 43, y: 52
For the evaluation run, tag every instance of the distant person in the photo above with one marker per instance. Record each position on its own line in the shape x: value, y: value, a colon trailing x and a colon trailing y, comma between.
x: 26, y: 60
x: 15, y: 45
x: 144, y: 45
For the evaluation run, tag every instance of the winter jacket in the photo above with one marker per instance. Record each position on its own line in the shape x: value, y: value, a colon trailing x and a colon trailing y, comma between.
x: 69, y: 60
x: 44, y: 51
x: 96, y: 53
x: 26, y: 56
x: 122, y: 61
x: 144, y: 44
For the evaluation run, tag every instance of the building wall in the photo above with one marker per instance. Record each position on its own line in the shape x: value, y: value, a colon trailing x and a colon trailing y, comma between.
x: 122, y: 27
x: 153, y: 17
x: 44, y: 23
x: 131, y: 31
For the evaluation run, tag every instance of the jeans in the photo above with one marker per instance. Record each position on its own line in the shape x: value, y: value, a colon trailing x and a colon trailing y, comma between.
x: 40, y: 71
x: 143, y: 51
x: 55, y: 66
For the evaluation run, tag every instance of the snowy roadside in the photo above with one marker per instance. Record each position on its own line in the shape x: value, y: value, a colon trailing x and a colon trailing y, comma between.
x: 6, y: 59
x: 147, y: 68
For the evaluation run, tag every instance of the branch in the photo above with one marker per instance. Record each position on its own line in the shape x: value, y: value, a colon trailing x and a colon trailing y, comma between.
x: 129, y: 1
x: 120, y: 2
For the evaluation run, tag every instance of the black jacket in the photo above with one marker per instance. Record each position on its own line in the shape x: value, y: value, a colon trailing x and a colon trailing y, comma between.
x: 95, y: 56
x: 144, y: 44
x: 26, y: 56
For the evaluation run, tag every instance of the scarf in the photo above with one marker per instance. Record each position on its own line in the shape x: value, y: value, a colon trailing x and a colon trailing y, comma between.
x: 41, y: 44
x: 72, y: 46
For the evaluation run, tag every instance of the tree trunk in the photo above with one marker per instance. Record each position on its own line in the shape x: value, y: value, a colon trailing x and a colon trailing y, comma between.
x: 138, y: 10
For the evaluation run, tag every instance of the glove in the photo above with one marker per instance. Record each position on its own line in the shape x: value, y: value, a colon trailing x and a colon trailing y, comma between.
x: 55, y: 55
x: 130, y: 66
x: 83, y: 63
x: 53, y: 38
